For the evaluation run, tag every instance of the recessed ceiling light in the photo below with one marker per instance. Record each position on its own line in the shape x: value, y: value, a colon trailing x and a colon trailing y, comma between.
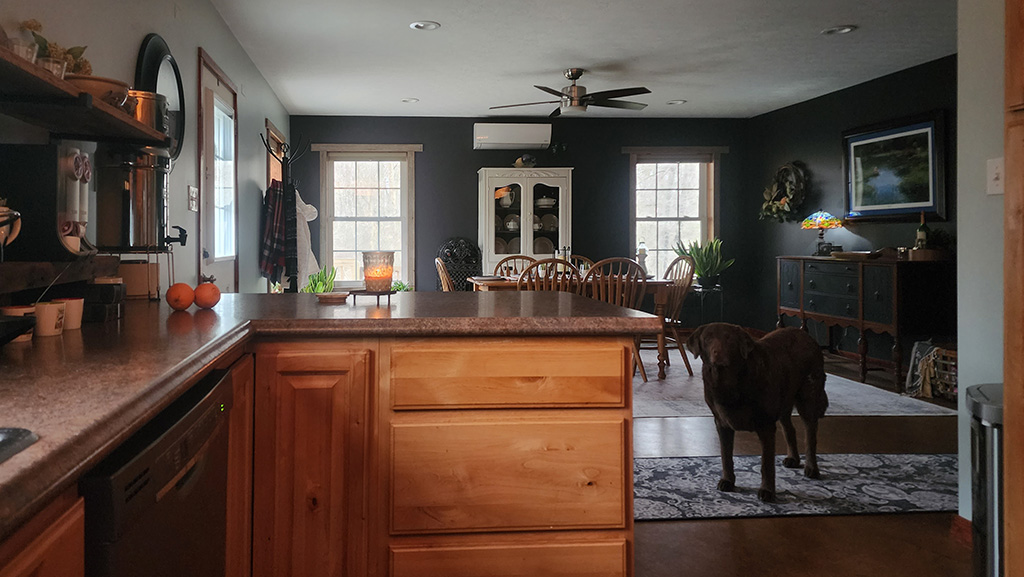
x: 410, y: 100
x: 674, y: 102
x: 425, y: 25
x: 844, y: 29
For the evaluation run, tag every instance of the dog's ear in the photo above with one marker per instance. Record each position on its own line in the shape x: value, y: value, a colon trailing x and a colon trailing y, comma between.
x: 693, y: 343
x: 746, y: 344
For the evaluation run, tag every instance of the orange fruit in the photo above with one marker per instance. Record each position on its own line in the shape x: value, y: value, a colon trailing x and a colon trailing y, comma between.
x: 180, y: 296
x: 207, y: 295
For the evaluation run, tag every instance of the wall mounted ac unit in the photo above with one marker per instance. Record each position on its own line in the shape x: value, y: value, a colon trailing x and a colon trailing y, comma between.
x: 511, y: 136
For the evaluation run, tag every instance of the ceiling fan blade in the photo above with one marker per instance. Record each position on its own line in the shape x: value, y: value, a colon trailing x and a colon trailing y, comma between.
x: 551, y: 91
x: 524, y: 104
x: 557, y: 112
x: 618, y: 93
x: 619, y: 104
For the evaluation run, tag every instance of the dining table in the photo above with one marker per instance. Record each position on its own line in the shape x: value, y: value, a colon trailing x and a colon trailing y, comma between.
x: 656, y: 287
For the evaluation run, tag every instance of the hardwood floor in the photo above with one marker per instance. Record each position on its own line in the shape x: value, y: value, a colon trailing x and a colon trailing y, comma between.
x: 861, y: 545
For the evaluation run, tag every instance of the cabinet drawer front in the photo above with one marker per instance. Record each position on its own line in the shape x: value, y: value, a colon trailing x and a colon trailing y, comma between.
x: 591, y: 559
x: 789, y: 283
x: 487, y: 476
x: 840, y: 268
x: 496, y: 374
x: 831, y: 305
x: 878, y: 294
x: 838, y: 285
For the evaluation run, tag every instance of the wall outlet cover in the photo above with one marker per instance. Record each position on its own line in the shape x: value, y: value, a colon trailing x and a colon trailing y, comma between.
x: 193, y: 198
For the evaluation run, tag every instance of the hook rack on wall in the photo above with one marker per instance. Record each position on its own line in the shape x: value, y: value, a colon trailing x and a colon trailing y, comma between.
x: 287, y: 156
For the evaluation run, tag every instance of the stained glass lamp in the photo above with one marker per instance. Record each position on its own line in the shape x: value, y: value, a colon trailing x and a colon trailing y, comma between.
x: 822, y: 220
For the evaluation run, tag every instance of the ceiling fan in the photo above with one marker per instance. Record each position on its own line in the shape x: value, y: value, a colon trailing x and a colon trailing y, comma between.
x: 575, y: 99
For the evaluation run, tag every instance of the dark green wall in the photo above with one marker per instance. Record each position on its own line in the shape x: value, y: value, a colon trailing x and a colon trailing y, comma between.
x: 811, y: 132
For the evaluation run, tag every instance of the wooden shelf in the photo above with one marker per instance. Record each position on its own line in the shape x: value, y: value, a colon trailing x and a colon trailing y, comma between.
x: 19, y: 276
x: 33, y: 95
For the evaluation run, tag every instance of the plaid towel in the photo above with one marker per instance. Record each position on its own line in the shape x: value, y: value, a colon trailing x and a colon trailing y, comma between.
x: 272, y: 245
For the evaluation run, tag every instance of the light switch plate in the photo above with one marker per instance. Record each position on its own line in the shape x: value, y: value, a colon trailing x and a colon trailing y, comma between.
x: 193, y: 198
x: 994, y: 176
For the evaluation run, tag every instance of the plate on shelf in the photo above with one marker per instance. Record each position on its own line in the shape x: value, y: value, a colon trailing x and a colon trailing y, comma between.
x: 499, y: 246
x: 549, y: 222
x: 513, y: 246
x: 332, y: 298
x: 497, y: 223
x: 512, y: 222
x: 545, y: 202
x: 543, y: 246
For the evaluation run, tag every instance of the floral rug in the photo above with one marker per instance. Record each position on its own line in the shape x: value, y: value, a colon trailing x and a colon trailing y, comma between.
x: 851, y: 484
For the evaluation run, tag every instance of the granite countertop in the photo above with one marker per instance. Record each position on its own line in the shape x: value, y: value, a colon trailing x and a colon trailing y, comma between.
x: 88, y: 390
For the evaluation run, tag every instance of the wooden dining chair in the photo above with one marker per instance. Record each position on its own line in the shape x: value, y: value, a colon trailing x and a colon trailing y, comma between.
x: 680, y: 272
x: 544, y: 275
x: 442, y: 272
x: 581, y: 262
x: 513, y: 265
x: 619, y: 281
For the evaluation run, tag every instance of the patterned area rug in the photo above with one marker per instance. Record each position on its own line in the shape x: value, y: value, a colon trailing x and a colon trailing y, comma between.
x: 685, y: 487
x: 681, y: 395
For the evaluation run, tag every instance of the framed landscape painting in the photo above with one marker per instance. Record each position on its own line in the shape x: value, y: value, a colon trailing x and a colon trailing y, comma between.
x: 896, y: 170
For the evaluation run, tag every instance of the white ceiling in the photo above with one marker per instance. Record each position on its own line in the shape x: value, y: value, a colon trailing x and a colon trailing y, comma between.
x: 727, y: 58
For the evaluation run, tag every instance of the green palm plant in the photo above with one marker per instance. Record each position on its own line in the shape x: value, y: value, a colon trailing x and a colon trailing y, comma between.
x: 321, y: 281
x: 707, y: 258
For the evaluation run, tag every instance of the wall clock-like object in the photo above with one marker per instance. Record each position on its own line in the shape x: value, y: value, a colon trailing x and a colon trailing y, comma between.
x: 156, y: 71
x: 785, y: 194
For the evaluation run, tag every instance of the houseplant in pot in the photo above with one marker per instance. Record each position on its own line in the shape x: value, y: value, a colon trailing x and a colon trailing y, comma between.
x: 707, y: 260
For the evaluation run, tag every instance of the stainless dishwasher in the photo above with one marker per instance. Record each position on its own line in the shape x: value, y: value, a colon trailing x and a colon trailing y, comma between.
x: 156, y: 506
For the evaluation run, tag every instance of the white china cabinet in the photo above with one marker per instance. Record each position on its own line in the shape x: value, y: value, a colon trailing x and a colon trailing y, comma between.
x: 524, y: 211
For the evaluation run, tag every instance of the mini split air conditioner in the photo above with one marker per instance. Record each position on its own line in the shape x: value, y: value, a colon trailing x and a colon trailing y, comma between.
x: 511, y: 136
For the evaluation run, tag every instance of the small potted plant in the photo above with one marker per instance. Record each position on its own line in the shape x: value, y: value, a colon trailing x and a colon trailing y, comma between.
x: 320, y: 282
x: 707, y: 260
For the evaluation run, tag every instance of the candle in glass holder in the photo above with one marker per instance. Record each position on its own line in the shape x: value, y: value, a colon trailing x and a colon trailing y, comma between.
x: 378, y: 266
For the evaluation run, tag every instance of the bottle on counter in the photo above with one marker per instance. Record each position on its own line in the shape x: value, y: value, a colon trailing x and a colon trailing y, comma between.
x: 921, y: 239
x: 641, y: 255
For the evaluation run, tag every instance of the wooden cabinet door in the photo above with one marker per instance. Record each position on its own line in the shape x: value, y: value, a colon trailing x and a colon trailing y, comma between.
x: 239, y: 498
x: 309, y: 464
x: 50, y: 545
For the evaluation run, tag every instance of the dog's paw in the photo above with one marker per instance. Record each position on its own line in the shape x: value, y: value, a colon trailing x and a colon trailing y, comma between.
x: 766, y: 495
x: 726, y: 485
x: 791, y: 462
x: 812, y: 473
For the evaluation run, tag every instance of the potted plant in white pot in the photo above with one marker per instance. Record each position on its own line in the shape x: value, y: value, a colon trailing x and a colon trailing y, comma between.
x: 707, y: 260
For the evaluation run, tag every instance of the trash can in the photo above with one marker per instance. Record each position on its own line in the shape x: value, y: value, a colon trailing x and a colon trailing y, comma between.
x: 985, y: 402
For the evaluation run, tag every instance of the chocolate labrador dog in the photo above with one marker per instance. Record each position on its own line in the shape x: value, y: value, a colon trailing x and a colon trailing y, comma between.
x: 750, y: 384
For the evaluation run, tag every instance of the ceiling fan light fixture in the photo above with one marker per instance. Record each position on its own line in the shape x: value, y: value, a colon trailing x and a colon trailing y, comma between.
x: 425, y: 25
x: 838, y: 30
x: 675, y: 102
x: 573, y: 109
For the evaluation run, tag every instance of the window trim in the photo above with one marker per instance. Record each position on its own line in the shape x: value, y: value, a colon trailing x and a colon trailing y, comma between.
x: 703, y: 154
x: 407, y: 154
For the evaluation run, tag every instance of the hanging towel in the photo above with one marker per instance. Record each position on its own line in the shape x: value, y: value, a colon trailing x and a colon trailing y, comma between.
x: 272, y: 243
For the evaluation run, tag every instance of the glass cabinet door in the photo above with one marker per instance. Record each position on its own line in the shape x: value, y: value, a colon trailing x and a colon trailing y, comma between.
x: 545, y: 221
x: 507, y: 217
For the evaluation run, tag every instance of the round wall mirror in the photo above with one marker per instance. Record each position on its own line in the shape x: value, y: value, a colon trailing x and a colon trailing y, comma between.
x: 156, y: 71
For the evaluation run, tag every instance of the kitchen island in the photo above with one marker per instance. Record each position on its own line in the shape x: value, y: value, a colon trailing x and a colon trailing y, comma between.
x: 475, y: 426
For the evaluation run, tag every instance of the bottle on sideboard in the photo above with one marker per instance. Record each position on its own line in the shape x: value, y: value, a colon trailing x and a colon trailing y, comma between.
x: 921, y: 239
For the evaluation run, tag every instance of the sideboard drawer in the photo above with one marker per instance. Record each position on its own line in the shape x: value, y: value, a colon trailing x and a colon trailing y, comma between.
x: 482, y: 373
x: 831, y: 305
x: 838, y: 285
x: 832, y: 268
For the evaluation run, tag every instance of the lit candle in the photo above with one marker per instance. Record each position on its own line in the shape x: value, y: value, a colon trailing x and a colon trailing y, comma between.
x: 378, y: 267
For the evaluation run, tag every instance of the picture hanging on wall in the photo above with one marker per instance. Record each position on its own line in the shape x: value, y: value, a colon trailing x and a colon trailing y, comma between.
x: 896, y: 170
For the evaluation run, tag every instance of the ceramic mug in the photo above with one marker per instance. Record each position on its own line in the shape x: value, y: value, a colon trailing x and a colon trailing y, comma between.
x: 10, y: 225
x: 73, y: 308
x: 49, y: 319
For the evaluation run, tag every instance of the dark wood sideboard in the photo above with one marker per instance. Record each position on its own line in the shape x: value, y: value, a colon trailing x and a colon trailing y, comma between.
x: 900, y: 298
